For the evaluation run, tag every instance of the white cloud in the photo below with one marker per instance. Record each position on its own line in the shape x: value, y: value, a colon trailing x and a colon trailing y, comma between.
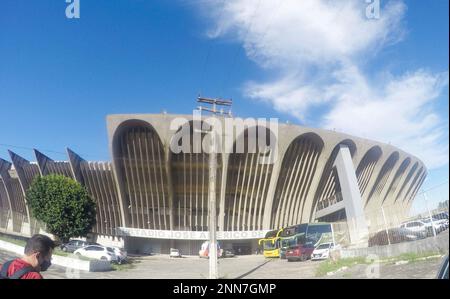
x: 282, y: 33
x: 316, y: 50
x: 399, y: 112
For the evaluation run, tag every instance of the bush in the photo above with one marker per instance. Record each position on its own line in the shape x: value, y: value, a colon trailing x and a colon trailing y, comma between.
x: 63, y: 205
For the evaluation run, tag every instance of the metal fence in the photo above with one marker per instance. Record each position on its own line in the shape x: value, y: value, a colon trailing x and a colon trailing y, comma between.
x: 426, y: 216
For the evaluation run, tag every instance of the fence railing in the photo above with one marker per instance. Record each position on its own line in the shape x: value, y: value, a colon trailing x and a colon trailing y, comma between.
x: 334, y: 199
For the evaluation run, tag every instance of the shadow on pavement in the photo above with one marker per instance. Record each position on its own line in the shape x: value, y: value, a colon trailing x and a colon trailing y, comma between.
x: 253, y: 270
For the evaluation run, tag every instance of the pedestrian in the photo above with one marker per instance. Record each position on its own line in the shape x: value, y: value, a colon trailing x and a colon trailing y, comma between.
x: 37, y: 258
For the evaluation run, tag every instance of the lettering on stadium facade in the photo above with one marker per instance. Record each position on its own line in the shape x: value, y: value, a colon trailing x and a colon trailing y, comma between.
x: 189, y: 235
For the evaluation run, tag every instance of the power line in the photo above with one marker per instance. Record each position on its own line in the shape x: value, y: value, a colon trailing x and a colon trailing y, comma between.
x: 208, y: 53
x: 8, y: 146
x: 233, y: 61
x: 30, y: 148
x: 432, y: 188
x: 275, y: 12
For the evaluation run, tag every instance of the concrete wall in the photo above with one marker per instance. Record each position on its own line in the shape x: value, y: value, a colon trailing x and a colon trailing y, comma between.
x: 301, y: 193
x: 254, y: 196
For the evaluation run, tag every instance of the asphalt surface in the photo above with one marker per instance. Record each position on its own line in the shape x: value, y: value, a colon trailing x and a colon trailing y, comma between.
x: 245, y: 267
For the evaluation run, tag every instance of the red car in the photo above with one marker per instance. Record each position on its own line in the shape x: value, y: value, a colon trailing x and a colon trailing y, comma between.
x: 299, y: 252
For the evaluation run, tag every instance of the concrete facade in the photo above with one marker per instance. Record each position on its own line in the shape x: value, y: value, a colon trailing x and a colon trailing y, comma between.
x: 147, y: 186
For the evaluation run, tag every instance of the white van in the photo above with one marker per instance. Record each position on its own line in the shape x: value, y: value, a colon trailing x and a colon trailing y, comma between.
x: 204, y: 250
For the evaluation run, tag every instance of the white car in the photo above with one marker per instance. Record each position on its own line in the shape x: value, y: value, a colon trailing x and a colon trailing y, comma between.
x: 204, y: 250
x: 417, y: 227
x: 439, y: 225
x: 174, y: 253
x: 98, y: 252
x: 322, y: 251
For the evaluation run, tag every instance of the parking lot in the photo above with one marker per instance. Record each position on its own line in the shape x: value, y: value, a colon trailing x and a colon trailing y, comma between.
x: 245, y: 267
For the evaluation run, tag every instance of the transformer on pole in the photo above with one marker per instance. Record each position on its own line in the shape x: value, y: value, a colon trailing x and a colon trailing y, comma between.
x: 212, y: 203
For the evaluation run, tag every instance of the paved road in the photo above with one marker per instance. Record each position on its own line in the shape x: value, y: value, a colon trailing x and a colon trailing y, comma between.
x: 247, y: 267
x: 162, y: 267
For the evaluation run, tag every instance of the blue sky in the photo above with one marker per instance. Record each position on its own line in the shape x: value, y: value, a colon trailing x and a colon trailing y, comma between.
x: 60, y: 77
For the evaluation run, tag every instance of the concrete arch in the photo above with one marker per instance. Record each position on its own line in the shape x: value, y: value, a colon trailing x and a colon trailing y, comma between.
x: 7, y: 214
x: 417, y: 186
x: 383, y: 175
x: 16, y: 199
x: 328, y: 186
x: 365, y: 168
x: 413, y: 183
x: 138, y: 157
x: 297, y: 171
x: 190, y: 175
x: 48, y: 166
x: 18, y: 204
x: 98, y: 179
x: 407, y: 179
x: 26, y: 172
x: 247, y: 184
x: 5, y: 207
x: 397, y: 177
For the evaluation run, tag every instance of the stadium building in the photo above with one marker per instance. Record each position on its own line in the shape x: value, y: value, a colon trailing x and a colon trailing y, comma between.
x: 150, y: 198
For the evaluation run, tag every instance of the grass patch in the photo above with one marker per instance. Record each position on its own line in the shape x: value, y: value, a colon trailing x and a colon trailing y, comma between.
x: 128, y: 265
x: 13, y: 240
x: 330, y: 266
x: 122, y: 267
x: 411, y: 257
x: 77, y: 256
x: 58, y: 251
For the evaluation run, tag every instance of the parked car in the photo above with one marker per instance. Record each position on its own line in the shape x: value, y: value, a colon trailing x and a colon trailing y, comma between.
x: 396, y: 235
x: 322, y: 251
x: 73, y: 245
x: 416, y: 227
x: 228, y: 253
x: 441, y: 219
x: 299, y: 252
x: 438, y: 225
x: 174, y: 253
x: 97, y: 252
x: 442, y: 215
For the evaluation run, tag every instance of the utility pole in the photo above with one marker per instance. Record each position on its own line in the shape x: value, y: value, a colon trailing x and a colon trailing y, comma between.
x: 213, y: 271
x: 212, y: 205
x: 429, y: 214
x: 215, y: 103
x: 385, y: 225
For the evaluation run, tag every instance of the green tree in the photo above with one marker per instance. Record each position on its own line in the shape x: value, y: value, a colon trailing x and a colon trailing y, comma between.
x: 63, y: 205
